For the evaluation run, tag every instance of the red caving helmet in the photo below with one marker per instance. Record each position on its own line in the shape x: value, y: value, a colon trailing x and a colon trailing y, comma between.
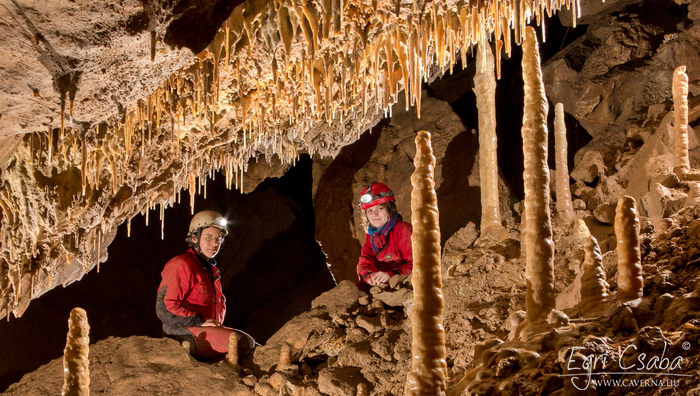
x: 375, y: 194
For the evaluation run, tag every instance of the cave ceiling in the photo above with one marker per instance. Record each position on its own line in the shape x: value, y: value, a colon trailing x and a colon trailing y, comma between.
x: 111, y: 109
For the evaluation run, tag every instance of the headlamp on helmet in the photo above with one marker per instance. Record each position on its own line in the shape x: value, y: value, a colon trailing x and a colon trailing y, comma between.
x: 366, y: 198
x: 375, y: 194
x: 208, y: 218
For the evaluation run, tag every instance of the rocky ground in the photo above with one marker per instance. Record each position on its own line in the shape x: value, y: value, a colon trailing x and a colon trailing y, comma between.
x: 349, y: 338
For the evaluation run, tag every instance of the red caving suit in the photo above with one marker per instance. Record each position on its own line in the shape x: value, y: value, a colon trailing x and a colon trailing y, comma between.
x: 394, y: 253
x: 190, y: 293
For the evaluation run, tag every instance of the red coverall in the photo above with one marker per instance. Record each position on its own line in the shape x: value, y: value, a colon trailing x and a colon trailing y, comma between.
x: 190, y: 293
x: 394, y: 258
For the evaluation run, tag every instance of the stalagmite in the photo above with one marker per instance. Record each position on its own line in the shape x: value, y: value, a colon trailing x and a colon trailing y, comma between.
x: 362, y: 389
x: 630, y: 280
x: 594, y: 285
x: 485, y: 90
x: 428, y: 374
x: 285, y: 361
x: 76, y: 370
x: 681, y: 161
x: 565, y: 208
x: 232, y: 355
x: 539, y: 264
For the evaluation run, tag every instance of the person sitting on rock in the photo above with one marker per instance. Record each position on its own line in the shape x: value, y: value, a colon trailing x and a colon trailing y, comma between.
x: 190, y: 301
x: 387, y: 249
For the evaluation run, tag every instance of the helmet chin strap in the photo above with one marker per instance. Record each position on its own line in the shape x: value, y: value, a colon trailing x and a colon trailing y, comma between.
x: 198, y: 249
x: 198, y: 246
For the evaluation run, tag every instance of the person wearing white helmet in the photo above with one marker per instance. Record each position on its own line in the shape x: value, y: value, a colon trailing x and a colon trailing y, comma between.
x: 190, y: 301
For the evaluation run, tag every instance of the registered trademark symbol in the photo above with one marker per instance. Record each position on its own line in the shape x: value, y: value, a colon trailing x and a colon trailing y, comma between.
x: 686, y: 345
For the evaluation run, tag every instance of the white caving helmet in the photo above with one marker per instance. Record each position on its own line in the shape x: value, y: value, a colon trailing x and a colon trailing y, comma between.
x: 208, y: 218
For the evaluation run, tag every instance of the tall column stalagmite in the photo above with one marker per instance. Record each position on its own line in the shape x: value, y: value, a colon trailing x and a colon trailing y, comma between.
x: 76, y: 367
x: 539, y: 255
x: 630, y: 281
x: 428, y: 375
x: 565, y: 208
x: 681, y: 161
x: 485, y: 90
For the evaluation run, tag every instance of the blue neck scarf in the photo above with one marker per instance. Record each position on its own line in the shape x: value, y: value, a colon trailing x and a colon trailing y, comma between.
x: 383, y: 232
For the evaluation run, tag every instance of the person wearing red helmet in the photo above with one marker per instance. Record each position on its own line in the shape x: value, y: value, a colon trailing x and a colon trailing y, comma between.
x: 190, y: 301
x: 387, y: 249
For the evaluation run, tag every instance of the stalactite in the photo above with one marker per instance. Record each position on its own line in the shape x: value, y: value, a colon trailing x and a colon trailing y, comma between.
x: 76, y: 369
x: 539, y: 265
x: 83, y: 167
x: 50, y: 148
x: 681, y: 161
x: 485, y: 90
x: 564, y: 206
x: 630, y: 280
x: 428, y: 374
x: 162, y: 221
x: 98, y: 250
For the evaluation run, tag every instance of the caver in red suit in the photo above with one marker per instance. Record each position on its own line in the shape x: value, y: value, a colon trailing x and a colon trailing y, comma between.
x: 387, y: 248
x: 190, y: 302
x: 394, y: 257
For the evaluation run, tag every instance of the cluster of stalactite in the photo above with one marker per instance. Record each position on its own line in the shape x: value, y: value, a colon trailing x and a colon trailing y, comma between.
x: 279, y: 78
